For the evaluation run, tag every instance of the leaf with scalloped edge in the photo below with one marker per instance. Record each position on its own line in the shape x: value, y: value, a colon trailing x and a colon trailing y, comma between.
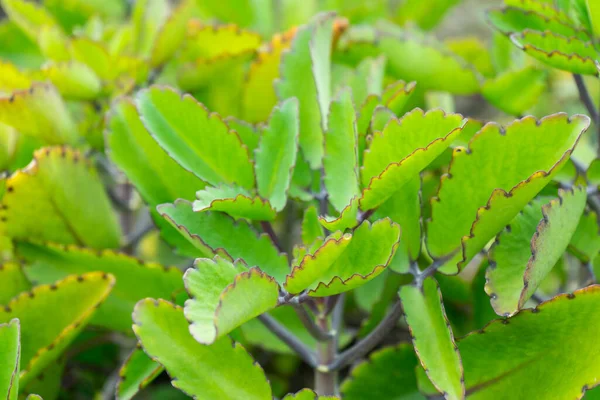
x: 137, y: 372
x: 585, y: 242
x: 50, y: 319
x: 347, y: 219
x: 475, y: 51
x: 10, y: 352
x: 305, y: 74
x: 235, y: 202
x: 404, y: 148
x: 381, y: 116
x: 529, y: 152
x: 565, y: 53
x: 248, y: 133
x: 432, y: 337
x: 214, y: 233
x: 526, y: 252
x: 343, y: 263
x: 74, y: 80
x: 59, y: 197
x: 48, y: 383
x: 389, y: 373
x: 224, y: 295
x: 29, y: 16
x: 501, y: 359
x: 511, y: 19
x: 259, y: 97
x: 547, y: 8
x: 311, y: 228
x: 49, y: 262
x: 204, y: 372
x: 340, y: 163
x: 41, y: 113
x: 200, y: 142
x: 307, y: 394
x: 364, y: 81
x: 515, y: 91
x: 397, y: 95
x: 12, y: 281
x: 276, y: 154
x: 171, y: 34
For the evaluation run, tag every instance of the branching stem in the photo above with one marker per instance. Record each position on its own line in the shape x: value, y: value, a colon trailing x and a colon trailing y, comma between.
x: 306, y: 354
x: 310, y: 324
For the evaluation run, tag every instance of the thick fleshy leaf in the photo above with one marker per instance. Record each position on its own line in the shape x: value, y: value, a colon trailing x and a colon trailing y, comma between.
x: 347, y: 219
x: 29, y: 16
x: 247, y: 132
x: 276, y: 153
x: 74, y: 80
x: 12, y: 281
x: 433, y: 338
x: 311, y: 229
x: 51, y: 319
x: 307, y: 394
x: 305, y: 74
x: 59, y: 197
x: 388, y: 374
x: 11, y: 78
x: 48, y: 383
x: 566, y: 53
x: 137, y: 372
x: 235, y: 202
x: 198, y: 140
x: 396, y: 96
x: 340, y: 162
x: 49, y: 262
x: 585, y: 242
x: 223, y: 370
x: 364, y: 81
x: 259, y: 95
x: 404, y: 148
x: 10, y: 356
x: 224, y: 295
x: 499, y: 363
x: 39, y: 112
x: 515, y: 92
x: 528, y: 249
x: 343, y: 263
x: 475, y: 51
x: 171, y: 34
x: 529, y: 152
x: 213, y: 233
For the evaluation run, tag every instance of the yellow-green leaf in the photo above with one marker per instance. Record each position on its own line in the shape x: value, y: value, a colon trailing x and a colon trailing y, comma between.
x: 235, y: 202
x: 516, y: 91
x: 137, y: 372
x: 12, y: 281
x: 10, y: 357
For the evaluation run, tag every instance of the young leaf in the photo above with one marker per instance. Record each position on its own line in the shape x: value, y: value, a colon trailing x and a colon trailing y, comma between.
x: 200, y: 142
x: 276, y: 154
x: 213, y: 232
x: 499, y: 363
x: 10, y: 352
x: 137, y: 372
x: 12, y: 281
x: 347, y: 219
x: 171, y: 34
x: 340, y: 162
x: 234, y: 201
x: 433, y: 338
x: 529, y: 152
x: 342, y: 264
x: 59, y: 197
x: 49, y: 262
x: 396, y: 96
x: 404, y: 148
x: 388, y: 374
x: 311, y: 229
x: 41, y: 113
x: 224, y: 296
x: 305, y: 74
x: 526, y: 253
x: 516, y: 91
x: 50, y: 319
x: 223, y: 370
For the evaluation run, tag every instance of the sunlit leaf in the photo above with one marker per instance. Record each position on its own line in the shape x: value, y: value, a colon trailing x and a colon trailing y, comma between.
x: 137, y: 372
x: 10, y: 350
x: 12, y: 281
x: 311, y: 229
x: 73, y: 79
x: 515, y: 92
x: 171, y: 34
x: 11, y: 78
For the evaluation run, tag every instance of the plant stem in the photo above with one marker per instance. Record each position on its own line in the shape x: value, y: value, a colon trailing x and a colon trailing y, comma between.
x: 310, y: 324
x: 587, y: 101
x: 325, y: 378
x: 268, y: 228
x: 367, y: 344
x: 289, y: 339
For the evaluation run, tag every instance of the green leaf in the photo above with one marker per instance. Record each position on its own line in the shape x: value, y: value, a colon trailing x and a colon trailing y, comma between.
x: 50, y: 319
x: 404, y: 148
x: 49, y: 262
x: 171, y: 34
x: 12, y: 281
x: 48, y: 383
x: 433, y: 338
x: 585, y: 242
x: 147, y: 18
x: 74, y: 80
x: 396, y: 96
x: 526, y: 252
x: 364, y: 81
x: 17, y: 47
x: 347, y: 219
x: 12, y: 79
x: 247, y: 132
x: 529, y: 152
x: 234, y: 201
x: 59, y: 198
x: 305, y: 74
x: 137, y: 372
x: 311, y: 229
x: 516, y: 91
x: 224, y: 295
x: 426, y: 14
x: 340, y: 162
x: 41, y: 113
x: 499, y: 363
x: 343, y: 263
x: 593, y: 10
x: 200, y: 142
x: 473, y: 50
x: 308, y: 394
x: 276, y: 154
x: 566, y: 53
x: 388, y: 374
x: 223, y: 370
x: 10, y: 355
x: 29, y: 16
x: 210, y: 231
